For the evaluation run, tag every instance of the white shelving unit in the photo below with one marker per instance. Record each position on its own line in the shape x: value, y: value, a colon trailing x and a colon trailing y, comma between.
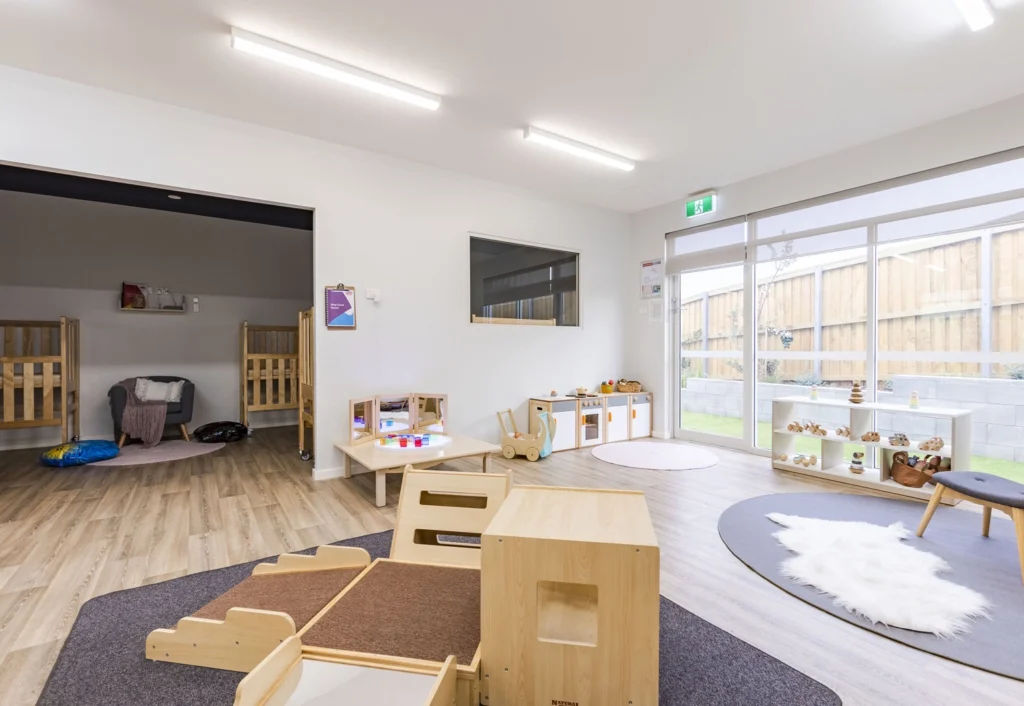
x: 831, y: 463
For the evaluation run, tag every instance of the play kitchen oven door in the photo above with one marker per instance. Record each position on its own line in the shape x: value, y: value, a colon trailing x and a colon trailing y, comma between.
x: 591, y: 422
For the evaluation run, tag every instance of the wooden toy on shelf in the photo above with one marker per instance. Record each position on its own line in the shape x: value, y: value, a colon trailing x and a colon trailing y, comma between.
x: 816, y: 429
x: 814, y: 460
x: 782, y: 457
x: 533, y: 446
x: 795, y: 426
x: 854, y: 424
x: 856, y: 394
x: 857, y: 464
x: 899, y: 439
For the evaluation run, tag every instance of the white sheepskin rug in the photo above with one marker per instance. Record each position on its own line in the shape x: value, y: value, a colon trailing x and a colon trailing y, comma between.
x: 872, y: 573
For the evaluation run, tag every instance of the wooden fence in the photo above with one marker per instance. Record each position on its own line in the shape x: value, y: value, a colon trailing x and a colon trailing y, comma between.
x: 929, y: 300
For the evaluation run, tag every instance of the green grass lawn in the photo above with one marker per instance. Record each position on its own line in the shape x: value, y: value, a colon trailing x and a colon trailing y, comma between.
x: 733, y: 426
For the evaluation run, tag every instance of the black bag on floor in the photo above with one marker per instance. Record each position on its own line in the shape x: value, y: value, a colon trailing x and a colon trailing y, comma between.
x: 215, y: 432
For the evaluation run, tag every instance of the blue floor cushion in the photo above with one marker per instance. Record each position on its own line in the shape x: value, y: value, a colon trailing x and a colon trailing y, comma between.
x: 78, y: 453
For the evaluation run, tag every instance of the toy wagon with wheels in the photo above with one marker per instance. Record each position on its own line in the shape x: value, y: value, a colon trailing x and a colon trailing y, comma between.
x: 533, y: 446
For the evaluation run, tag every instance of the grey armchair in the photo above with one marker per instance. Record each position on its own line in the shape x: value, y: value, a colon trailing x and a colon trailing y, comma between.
x: 178, y: 413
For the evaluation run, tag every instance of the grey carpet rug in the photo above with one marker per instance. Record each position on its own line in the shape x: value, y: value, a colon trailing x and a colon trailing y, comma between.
x: 103, y: 660
x: 989, y: 566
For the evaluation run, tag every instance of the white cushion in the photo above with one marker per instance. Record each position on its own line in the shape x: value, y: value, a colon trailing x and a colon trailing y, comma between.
x: 151, y: 391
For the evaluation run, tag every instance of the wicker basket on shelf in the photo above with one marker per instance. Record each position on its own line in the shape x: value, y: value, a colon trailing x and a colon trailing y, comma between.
x: 629, y: 386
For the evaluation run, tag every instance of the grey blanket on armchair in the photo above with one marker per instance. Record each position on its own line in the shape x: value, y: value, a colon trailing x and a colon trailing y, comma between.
x: 142, y: 420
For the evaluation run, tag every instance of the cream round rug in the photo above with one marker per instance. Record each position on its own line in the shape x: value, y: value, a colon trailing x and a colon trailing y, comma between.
x: 139, y: 455
x: 655, y: 455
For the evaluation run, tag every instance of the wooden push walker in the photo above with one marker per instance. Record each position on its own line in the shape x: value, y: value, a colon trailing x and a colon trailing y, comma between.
x: 533, y: 446
x: 490, y: 597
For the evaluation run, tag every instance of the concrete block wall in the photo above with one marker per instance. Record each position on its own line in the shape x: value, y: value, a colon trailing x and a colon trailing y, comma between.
x: 996, y: 405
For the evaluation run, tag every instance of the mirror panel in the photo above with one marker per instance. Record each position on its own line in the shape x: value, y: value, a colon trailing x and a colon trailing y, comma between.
x: 431, y: 413
x: 361, y: 420
x: 394, y: 415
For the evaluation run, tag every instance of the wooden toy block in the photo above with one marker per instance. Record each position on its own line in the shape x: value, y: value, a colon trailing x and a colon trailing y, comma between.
x: 441, y: 515
x: 570, y: 599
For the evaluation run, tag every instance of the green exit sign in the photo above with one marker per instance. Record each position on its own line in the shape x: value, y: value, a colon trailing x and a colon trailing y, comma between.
x: 701, y: 205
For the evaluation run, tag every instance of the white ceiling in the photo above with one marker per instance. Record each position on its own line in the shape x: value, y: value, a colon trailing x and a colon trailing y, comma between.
x: 701, y: 93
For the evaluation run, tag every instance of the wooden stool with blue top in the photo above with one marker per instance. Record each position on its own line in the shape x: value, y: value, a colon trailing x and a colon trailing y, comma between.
x: 986, y: 490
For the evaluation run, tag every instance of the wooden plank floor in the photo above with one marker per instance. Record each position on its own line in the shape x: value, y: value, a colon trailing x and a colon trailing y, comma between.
x: 69, y: 535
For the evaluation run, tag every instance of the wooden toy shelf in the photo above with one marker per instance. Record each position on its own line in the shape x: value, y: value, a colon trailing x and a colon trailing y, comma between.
x: 832, y: 464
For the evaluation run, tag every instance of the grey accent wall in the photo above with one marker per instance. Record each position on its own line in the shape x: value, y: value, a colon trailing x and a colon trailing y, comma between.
x: 71, y: 244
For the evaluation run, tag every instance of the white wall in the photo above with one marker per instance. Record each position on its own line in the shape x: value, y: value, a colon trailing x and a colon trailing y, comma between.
x: 115, y: 345
x: 70, y: 258
x: 992, y: 129
x: 379, y: 222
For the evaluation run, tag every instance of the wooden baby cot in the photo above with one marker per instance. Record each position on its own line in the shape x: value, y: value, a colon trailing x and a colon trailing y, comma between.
x: 39, y: 375
x: 307, y: 356
x: 270, y: 369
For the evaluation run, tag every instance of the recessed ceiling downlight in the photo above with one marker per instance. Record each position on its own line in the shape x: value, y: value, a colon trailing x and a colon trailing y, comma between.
x: 977, y: 13
x: 564, y: 144
x: 329, y: 68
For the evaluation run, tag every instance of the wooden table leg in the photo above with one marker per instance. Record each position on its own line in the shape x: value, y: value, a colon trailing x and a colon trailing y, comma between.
x: 484, y: 457
x: 932, y: 504
x: 382, y: 495
x: 986, y: 520
x: 347, y: 473
x: 1018, y: 523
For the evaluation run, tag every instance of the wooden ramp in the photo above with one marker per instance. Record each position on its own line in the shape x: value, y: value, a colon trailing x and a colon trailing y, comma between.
x: 238, y: 629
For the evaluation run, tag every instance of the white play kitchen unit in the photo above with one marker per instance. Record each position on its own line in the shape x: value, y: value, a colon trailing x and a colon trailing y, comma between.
x: 861, y: 418
x: 601, y: 419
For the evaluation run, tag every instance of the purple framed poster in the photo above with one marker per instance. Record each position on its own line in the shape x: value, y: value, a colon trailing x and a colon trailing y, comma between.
x: 340, y: 306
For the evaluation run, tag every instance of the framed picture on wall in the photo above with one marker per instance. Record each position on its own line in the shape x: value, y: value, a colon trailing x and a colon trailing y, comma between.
x: 340, y: 306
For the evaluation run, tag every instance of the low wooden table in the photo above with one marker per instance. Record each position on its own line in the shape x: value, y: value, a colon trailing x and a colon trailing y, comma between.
x: 383, y: 461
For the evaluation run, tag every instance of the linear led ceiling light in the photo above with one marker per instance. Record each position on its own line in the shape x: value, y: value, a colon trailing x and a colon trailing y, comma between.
x: 578, y: 148
x: 329, y: 68
x: 977, y: 13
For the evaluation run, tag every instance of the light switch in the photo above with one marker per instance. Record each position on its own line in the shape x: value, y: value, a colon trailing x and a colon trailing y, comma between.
x: 195, y: 305
x: 373, y: 294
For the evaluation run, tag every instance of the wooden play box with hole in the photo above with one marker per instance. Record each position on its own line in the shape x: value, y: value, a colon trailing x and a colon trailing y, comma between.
x: 570, y: 599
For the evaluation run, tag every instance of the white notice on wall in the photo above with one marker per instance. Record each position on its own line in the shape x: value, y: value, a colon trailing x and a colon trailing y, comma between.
x: 650, y: 279
x: 656, y: 313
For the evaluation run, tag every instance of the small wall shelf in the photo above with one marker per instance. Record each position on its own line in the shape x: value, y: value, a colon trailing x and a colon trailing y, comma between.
x: 832, y: 464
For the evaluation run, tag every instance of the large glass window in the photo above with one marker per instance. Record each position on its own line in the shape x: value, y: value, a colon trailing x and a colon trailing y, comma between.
x: 914, y: 289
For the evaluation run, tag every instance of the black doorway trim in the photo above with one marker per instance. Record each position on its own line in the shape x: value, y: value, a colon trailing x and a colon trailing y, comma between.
x: 35, y: 181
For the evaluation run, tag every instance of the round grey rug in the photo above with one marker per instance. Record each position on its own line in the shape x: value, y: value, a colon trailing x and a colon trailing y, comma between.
x: 655, y: 455
x: 989, y: 566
